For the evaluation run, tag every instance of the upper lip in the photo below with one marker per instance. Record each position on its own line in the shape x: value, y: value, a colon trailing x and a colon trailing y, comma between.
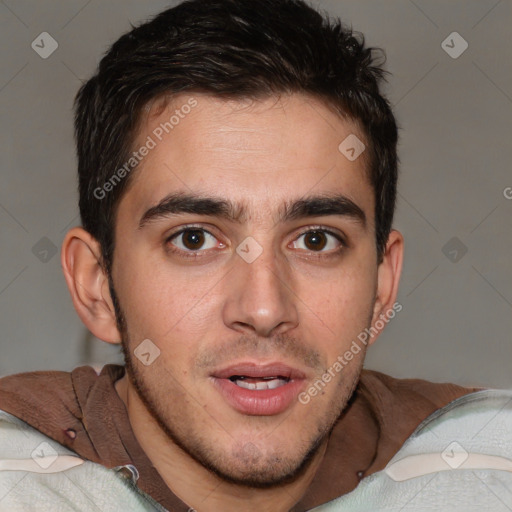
x: 255, y: 370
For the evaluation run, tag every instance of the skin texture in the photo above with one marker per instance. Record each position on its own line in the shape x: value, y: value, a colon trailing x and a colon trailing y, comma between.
x: 302, y: 302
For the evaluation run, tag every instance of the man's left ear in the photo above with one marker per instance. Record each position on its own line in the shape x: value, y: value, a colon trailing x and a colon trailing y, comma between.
x: 388, y: 278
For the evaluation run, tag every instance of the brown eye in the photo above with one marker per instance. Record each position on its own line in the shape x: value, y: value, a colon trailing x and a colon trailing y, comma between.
x: 319, y: 240
x: 315, y: 240
x: 193, y: 239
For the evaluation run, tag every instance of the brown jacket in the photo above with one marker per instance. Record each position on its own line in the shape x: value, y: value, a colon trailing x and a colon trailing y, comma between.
x: 83, y: 412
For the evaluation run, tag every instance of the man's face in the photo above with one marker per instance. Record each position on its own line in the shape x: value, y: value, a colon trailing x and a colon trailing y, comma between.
x: 266, y: 300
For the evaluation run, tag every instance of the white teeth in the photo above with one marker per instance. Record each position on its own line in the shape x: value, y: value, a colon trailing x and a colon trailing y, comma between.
x: 276, y: 383
x: 265, y: 384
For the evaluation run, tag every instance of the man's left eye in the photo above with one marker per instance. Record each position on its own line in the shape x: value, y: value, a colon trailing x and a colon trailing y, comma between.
x: 318, y: 240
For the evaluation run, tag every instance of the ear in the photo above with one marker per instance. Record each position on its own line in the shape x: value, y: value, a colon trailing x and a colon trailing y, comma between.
x: 88, y: 284
x: 388, y: 278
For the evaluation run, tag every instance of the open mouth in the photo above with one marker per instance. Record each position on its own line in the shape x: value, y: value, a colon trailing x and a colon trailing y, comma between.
x: 259, y: 389
x: 259, y: 384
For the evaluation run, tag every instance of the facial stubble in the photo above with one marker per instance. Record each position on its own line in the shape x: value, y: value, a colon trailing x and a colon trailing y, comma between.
x: 259, y: 472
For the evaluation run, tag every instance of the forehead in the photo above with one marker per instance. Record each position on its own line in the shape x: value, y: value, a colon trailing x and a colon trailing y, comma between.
x: 258, y: 153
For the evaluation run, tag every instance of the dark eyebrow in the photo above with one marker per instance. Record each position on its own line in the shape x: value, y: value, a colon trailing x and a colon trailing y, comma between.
x: 313, y: 206
x: 319, y: 206
x: 178, y: 203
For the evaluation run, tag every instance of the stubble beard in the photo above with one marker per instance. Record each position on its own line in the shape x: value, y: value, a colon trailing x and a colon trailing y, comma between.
x: 258, y: 471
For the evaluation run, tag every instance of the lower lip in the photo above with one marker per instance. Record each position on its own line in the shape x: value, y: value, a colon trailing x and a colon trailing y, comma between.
x: 265, y: 402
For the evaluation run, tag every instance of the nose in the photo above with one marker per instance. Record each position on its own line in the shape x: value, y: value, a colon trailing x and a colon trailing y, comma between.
x: 260, y: 299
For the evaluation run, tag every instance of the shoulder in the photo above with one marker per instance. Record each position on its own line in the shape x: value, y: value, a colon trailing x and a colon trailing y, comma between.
x: 472, y: 432
x: 35, y: 469
x: 458, y: 459
x: 405, y: 400
x: 398, y: 406
x: 389, y: 389
x: 52, y: 401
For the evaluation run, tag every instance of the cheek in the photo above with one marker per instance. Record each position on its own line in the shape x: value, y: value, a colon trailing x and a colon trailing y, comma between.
x: 162, y: 305
x: 344, y: 299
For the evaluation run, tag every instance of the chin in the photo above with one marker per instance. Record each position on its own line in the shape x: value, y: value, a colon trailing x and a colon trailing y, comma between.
x: 248, y: 467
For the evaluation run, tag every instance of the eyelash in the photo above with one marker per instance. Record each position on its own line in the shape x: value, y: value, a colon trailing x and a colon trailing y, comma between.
x: 199, y: 253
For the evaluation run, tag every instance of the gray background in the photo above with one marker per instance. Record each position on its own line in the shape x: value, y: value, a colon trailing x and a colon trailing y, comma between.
x: 455, y: 116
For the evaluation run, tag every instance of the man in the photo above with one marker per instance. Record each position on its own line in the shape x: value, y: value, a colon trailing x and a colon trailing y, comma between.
x: 237, y: 172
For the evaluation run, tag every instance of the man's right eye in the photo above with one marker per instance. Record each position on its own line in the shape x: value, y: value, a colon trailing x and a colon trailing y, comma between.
x: 193, y: 239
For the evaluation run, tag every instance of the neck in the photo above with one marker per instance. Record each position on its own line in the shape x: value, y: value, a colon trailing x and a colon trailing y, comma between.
x: 194, y: 484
